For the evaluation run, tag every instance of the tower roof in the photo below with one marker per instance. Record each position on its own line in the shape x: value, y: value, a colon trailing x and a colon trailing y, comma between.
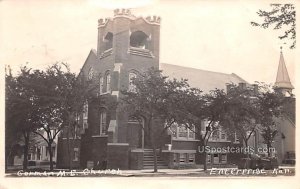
x: 283, y: 79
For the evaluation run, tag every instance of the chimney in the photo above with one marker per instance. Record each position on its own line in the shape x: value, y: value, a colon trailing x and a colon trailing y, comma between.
x: 255, y: 88
x: 242, y: 86
x: 228, y: 87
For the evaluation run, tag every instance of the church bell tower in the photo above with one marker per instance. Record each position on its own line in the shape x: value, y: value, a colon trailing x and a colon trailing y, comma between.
x: 127, y: 43
x: 283, y: 83
x: 127, y: 46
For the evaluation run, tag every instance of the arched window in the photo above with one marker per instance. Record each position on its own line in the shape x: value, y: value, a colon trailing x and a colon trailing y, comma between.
x: 103, y: 122
x: 131, y: 85
x: 91, y: 73
x: 101, y: 85
x: 85, y: 115
x: 108, y: 41
x: 107, y: 82
x: 138, y: 39
x: 180, y: 131
x: 133, y: 119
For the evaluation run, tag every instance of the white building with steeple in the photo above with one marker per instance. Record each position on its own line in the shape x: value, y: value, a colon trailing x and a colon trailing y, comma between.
x: 285, y: 141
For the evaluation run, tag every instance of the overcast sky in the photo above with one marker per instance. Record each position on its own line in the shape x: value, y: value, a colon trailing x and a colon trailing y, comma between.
x: 215, y: 36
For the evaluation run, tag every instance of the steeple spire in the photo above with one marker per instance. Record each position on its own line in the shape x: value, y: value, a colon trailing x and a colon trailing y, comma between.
x: 283, y: 80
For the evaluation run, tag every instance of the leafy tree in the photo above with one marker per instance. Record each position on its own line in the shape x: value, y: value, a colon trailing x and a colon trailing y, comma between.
x: 214, y: 109
x: 44, y: 103
x: 270, y: 106
x: 281, y: 16
x: 74, y: 92
x: 152, y: 100
x: 49, y: 118
x: 20, y: 110
x: 195, y: 108
x: 60, y: 98
x: 12, y: 136
x: 240, y: 113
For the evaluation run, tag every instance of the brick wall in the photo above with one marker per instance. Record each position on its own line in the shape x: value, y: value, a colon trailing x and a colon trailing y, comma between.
x: 134, y: 135
x: 117, y: 156
x: 136, y: 160
x: 93, y: 149
x: 184, y: 145
x: 63, y: 153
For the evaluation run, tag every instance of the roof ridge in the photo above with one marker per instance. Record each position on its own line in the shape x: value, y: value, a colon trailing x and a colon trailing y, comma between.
x: 201, y: 69
x: 239, y: 77
x: 92, y: 51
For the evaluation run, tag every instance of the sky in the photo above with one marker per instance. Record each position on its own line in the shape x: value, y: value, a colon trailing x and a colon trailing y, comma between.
x: 209, y: 35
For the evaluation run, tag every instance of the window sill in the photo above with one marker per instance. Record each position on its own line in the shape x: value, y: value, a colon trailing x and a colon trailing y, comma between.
x: 181, y: 151
x: 108, y: 50
x: 219, y: 163
x: 140, y: 52
x: 99, y: 136
x: 108, y: 92
x: 106, y: 53
x: 219, y: 141
x: 71, y: 138
x: 184, y: 139
x: 185, y: 163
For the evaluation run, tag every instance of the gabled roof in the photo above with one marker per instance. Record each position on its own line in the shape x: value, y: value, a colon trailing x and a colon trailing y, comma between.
x: 202, y: 79
x: 92, y: 55
x: 283, y: 79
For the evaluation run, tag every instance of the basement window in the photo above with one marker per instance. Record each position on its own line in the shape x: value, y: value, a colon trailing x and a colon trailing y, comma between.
x: 208, y: 158
x: 182, y: 158
x: 223, y: 158
x: 191, y: 158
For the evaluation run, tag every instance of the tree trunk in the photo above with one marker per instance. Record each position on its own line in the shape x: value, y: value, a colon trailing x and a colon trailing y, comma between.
x: 155, y: 159
x: 51, y: 155
x: 153, y: 144
x: 154, y: 153
x: 204, y: 163
x: 204, y: 143
x: 26, y: 147
x: 69, y: 148
x: 246, y: 146
x: 269, y: 147
x: 204, y: 154
x: 247, y: 162
x: 8, y: 154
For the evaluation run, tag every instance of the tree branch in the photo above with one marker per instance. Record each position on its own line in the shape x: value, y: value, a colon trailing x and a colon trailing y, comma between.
x: 41, y: 136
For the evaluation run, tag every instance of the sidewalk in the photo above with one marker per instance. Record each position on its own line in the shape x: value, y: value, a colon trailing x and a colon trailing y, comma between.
x: 223, y: 172
x: 199, y: 172
x: 162, y: 172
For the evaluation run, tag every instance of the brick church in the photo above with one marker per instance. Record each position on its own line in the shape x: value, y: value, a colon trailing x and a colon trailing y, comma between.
x: 108, y: 137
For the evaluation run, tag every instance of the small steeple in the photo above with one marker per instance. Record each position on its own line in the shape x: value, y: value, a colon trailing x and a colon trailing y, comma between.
x: 283, y: 80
